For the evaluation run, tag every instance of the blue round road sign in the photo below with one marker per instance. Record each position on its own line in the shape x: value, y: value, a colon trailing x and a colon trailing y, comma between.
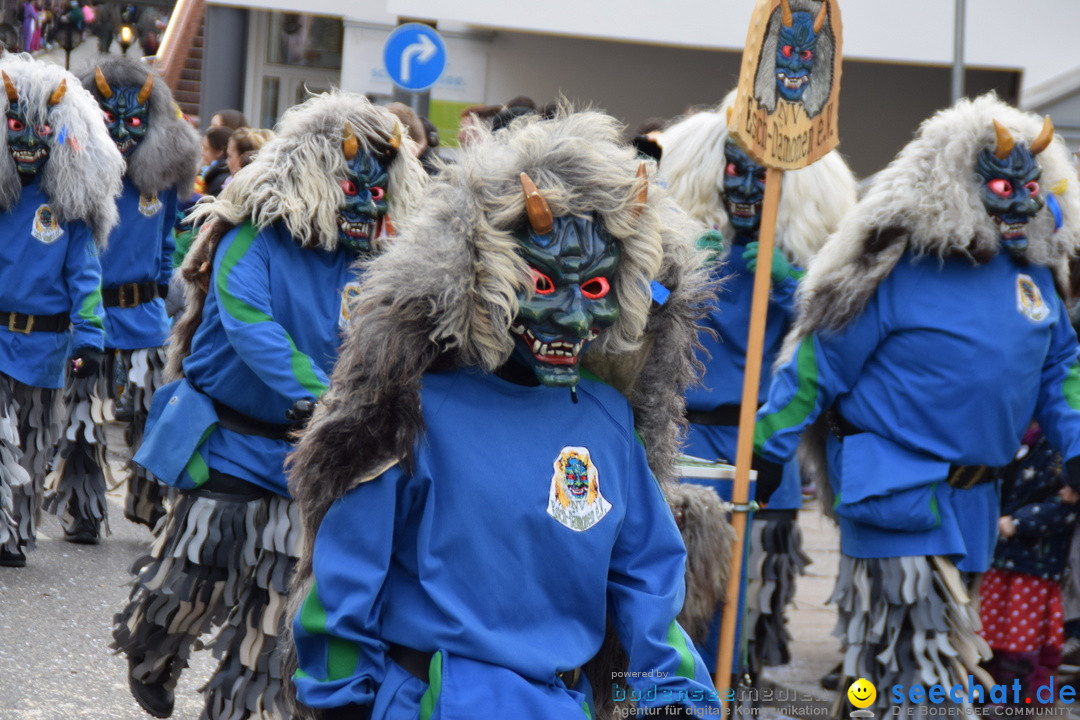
x: 414, y: 56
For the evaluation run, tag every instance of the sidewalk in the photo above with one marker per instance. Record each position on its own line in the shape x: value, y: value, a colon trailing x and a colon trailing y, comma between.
x: 814, y: 650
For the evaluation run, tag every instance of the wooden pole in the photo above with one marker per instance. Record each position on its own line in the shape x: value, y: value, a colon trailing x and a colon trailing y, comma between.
x: 747, y: 410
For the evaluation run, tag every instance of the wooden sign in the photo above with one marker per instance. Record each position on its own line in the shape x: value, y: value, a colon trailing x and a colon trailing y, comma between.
x: 789, y: 85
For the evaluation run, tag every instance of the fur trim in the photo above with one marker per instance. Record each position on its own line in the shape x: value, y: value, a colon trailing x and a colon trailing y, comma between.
x: 928, y: 201
x: 82, y: 176
x: 169, y: 154
x: 821, y: 83
x: 446, y: 293
x: 813, y: 199
x: 294, y: 177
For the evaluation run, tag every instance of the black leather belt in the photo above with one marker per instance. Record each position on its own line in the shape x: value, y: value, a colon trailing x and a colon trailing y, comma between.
x: 960, y: 476
x: 720, y: 415
x: 238, y: 422
x: 417, y: 663
x: 19, y: 323
x: 129, y: 295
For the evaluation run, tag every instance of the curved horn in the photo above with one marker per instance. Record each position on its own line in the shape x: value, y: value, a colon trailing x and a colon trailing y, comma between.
x: 144, y: 92
x: 1005, y: 142
x: 395, y: 139
x: 785, y: 9
x: 12, y: 93
x: 349, y: 144
x: 1044, y: 137
x: 643, y: 192
x: 58, y: 93
x: 536, y: 207
x: 102, y: 84
x: 819, y: 21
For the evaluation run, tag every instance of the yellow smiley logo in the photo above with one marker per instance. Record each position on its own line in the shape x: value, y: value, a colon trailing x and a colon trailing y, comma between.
x: 862, y: 693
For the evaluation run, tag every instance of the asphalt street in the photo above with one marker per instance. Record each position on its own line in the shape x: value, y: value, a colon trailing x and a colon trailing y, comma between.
x: 55, y: 619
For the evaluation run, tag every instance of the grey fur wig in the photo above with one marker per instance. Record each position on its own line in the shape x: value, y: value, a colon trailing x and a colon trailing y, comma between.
x: 295, y: 179
x: 813, y: 199
x: 446, y: 294
x: 82, y: 176
x: 927, y: 201
x: 168, y: 157
x: 821, y: 77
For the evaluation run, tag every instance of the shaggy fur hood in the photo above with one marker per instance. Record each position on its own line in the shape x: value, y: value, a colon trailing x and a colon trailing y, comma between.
x: 82, y: 176
x: 812, y: 199
x: 168, y: 157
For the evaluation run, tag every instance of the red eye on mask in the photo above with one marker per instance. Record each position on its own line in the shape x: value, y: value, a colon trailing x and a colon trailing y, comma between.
x: 16, y: 125
x: 541, y: 283
x: 377, y: 193
x: 43, y: 130
x: 1000, y: 187
x: 1032, y: 187
x: 806, y: 54
x: 731, y: 170
x: 134, y: 121
x: 595, y: 288
x: 110, y: 117
x: 349, y: 187
x: 787, y: 50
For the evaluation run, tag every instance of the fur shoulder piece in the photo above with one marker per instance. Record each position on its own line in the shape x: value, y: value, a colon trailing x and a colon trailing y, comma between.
x: 812, y: 199
x: 82, y: 176
x: 168, y: 157
x: 295, y: 178
x: 927, y: 201
x: 446, y: 293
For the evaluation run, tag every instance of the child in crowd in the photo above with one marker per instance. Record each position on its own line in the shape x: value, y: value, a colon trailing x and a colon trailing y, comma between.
x: 1020, y: 596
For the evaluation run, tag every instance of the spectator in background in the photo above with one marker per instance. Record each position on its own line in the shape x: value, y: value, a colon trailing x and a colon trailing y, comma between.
x: 515, y: 108
x: 430, y: 157
x: 422, y: 132
x: 475, y: 116
x: 232, y: 119
x: 215, y: 144
x: 242, y: 146
x: 106, y: 22
x: 646, y: 139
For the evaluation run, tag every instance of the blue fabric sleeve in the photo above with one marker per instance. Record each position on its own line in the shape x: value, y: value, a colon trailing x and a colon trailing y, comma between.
x: 783, y: 294
x: 242, y: 281
x: 341, y: 659
x: 168, y: 243
x: 645, y: 591
x: 82, y: 272
x: 1058, y: 408
x: 823, y: 366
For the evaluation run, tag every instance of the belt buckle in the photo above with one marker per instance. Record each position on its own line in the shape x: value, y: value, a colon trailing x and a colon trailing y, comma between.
x: 570, y: 678
x: 122, y: 295
x: 13, y: 325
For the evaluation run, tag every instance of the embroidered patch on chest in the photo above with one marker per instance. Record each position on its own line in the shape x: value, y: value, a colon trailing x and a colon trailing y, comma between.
x: 350, y: 295
x: 574, y: 498
x: 46, y: 227
x: 1029, y: 300
x: 149, y: 205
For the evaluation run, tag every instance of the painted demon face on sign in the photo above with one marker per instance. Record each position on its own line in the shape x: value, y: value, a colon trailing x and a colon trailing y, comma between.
x: 744, y: 190
x: 365, y: 202
x: 796, y: 51
x: 572, y: 298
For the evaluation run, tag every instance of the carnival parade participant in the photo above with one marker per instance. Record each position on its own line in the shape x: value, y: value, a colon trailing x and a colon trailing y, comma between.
x: 59, y: 176
x: 718, y: 183
x: 931, y: 330
x: 270, y: 285
x: 160, y: 150
x: 476, y: 503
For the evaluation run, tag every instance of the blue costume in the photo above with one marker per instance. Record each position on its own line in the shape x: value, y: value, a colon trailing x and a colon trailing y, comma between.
x: 268, y: 303
x: 911, y: 374
x: 420, y: 590
x: 931, y: 331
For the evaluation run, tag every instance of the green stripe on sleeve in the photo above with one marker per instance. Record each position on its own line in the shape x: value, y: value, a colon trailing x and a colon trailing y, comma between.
x: 342, y: 656
x: 237, y: 308
x: 800, y: 406
x: 1071, y: 387
x: 88, y: 310
x: 431, y: 695
x: 677, y: 640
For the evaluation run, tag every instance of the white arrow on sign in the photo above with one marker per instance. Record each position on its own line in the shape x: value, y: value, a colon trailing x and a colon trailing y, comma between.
x: 423, y: 50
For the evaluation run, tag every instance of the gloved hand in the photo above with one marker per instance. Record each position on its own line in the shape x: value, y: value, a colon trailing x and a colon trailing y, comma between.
x: 301, y: 411
x: 712, y: 242
x: 85, y: 361
x: 781, y: 268
x: 769, y: 476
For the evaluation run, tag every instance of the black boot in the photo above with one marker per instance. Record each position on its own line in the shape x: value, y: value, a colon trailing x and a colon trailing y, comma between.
x: 86, y: 531
x: 154, y: 697
x: 831, y: 679
x: 12, y: 558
